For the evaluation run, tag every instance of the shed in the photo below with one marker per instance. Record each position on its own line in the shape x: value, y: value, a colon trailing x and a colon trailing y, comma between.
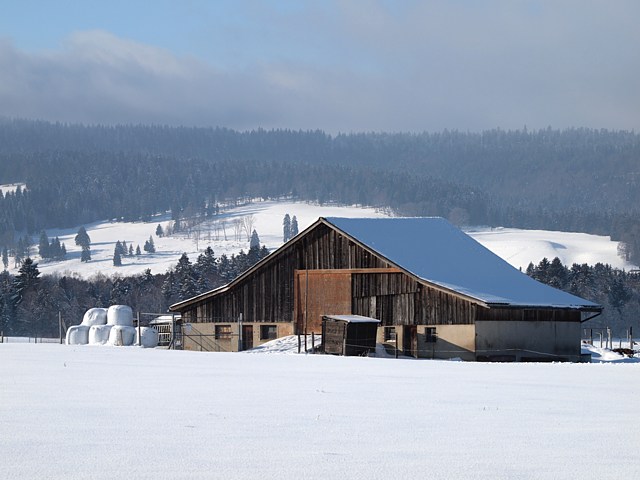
x: 349, y: 335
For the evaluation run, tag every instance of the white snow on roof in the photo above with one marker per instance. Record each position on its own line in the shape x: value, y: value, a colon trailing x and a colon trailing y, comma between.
x: 353, y: 318
x: 436, y: 251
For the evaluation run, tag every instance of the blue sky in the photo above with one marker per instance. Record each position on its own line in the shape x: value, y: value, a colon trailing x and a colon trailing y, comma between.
x: 340, y: 66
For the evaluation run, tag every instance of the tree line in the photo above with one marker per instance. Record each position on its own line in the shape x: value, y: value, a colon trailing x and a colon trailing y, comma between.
x: 30, y: 303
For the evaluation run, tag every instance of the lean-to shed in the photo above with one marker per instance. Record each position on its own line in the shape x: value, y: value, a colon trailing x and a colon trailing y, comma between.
x: 349, y: 335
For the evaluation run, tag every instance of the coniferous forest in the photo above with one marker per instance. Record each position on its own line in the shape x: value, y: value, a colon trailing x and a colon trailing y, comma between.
x: 579, y: 179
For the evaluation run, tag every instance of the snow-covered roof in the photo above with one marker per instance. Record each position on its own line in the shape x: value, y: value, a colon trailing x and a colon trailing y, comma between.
x: 434, y: 250
x: 353, y: 318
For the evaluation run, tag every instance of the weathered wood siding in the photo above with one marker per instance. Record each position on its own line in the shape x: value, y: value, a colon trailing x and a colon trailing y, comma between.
x: 398, y: 299
x: 267, y: 295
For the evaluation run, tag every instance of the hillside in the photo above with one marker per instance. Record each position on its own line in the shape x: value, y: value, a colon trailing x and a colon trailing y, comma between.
x: 518, y: 247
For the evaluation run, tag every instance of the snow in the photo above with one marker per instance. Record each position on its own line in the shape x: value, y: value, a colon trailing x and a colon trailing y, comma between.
x: 436, y: 251
x: 12, y: 187
x: 354, y: 318
x: 102, y: 413
x: 518, y: 247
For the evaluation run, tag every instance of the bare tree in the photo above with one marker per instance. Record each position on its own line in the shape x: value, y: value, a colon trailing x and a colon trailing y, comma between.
x: 248, y: 222
x: 237, y: 228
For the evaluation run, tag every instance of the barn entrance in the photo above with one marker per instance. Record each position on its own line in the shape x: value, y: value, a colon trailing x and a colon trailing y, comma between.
x: 318, y: 293
x: 247, y: 337
x: 410, y: 340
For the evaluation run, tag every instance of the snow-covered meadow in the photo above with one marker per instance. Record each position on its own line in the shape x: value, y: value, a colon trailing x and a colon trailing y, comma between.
x: 78, y: 412
x: 518, y: 247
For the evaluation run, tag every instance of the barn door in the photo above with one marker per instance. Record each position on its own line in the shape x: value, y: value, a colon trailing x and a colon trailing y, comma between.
x: 410, y: 340
x: 247, y: 337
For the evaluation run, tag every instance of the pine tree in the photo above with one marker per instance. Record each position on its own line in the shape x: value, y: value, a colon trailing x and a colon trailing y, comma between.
x: 294, y: 226
x: 27, y: 277
x: 131, y: 250
x: 85, y: 256
x: 138, y: 252
x: 149, y: 246
x: 82, y: 238
x: 159, y: 231
x: 5, y: 258
x: 286, y: 228
x: 43, y: 246
x: 117, y: 258
x: 255, y: 240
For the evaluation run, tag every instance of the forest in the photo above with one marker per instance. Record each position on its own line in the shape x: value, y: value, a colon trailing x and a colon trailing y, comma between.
x: 581, y: 180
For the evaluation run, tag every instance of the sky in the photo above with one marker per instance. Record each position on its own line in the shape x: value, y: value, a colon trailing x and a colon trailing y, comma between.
x: 339, y: 66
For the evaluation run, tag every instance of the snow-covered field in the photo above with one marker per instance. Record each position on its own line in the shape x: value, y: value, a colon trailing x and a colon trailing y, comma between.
x: 106, y: 412
x: 518, y: 247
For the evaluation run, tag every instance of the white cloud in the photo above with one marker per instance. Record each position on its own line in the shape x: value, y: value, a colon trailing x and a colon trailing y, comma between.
x: 355, y: 66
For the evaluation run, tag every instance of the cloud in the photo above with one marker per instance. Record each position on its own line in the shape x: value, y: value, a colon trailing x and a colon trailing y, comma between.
x: 354, y: 66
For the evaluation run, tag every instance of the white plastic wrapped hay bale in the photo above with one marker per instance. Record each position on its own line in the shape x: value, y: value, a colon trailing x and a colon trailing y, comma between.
x: 95, y: 316
x: 122, y: 336
x: 149, y: 337
x: 78, y: 335
x: 120, y: 315
x: 99, y: 334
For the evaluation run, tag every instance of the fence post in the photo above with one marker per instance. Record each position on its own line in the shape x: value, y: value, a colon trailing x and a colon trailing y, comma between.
x: 313, y: 342
x: 60, y: 326
x: 299, y: 345
x: 139, y: 336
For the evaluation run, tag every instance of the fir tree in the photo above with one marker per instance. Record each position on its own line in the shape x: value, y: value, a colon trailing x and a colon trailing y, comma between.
x: 43, y: 246
x: 149, y: 246
x: 82, y: 238
x: 294, y: 226
x: 85, y: 256
x: 5, y: 258
x: 131, y: 250
x: 138, y: 252
x: 159, y: 231
x: 27, y: 277
x: 286, y: 228
x: 255, y: 240
x: 117, y: 258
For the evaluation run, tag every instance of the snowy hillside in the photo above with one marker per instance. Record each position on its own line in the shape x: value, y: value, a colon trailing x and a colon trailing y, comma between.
x: 113, y: 412
x: 518, y: 247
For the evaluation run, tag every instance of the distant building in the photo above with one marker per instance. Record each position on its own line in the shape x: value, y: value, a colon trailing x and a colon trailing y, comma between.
x: 436, y: 291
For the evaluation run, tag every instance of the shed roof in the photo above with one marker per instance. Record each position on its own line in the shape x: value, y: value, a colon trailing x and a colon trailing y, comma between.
x: 352, y: 318
x: 434, y: 250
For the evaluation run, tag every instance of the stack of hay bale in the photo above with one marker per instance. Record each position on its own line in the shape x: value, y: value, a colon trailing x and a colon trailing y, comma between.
x: 112, y: 326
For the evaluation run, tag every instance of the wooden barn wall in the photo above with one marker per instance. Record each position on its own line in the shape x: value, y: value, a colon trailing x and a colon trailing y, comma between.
x: 267, y: 295
x: 530, y: 314
x: 398, y: 299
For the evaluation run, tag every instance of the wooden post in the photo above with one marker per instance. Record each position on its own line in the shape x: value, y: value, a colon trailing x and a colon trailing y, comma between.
x: 631, y: 339
x: 240, y: 333
x: 139, y: 336
x: 60, y: 326
x: 299, y: 345
x: 313, y: 343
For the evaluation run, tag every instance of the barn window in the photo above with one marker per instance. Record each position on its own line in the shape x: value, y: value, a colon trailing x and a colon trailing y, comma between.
x: 430, y: 335
x: 390, y: 334
x: 223, y: 331
x: 268, y: 332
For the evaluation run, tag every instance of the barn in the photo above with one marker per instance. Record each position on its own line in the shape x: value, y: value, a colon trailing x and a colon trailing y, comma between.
x: 436, y: 292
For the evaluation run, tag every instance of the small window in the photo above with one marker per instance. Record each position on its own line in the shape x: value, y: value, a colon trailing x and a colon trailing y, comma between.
x: 430, y: 335
x: 390, y: 334
x: 223, y: 331
x: 268, y: 332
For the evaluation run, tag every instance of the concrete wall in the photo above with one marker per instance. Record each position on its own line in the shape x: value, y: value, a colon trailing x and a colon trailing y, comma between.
x: 522, y: 341
x: 453, y: 341
x: 201, y: 336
